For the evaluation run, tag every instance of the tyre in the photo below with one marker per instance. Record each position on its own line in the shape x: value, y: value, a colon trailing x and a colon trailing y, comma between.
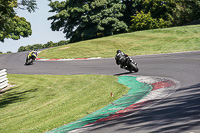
x: 133, y: 67
x: 29, y: 62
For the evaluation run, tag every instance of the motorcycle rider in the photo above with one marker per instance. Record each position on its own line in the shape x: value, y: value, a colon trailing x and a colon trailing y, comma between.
x: 31, y: 54
x: 121, y: 59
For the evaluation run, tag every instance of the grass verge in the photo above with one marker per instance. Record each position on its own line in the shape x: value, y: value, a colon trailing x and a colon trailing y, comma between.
x: 157, y: 41
x: 39, y: 103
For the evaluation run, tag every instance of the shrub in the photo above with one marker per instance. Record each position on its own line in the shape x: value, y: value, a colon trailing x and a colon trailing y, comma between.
x: 144, y: 21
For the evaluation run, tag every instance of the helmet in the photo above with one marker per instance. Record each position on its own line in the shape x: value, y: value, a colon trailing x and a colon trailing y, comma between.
x: 119, y: 51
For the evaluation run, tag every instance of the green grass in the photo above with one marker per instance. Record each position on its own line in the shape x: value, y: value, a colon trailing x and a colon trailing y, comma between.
x: 157, y: 41
x: 39, y: 103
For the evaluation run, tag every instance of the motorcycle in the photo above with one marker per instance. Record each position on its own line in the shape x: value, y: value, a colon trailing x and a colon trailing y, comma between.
x: 131, y: 65
x: 30, y: 59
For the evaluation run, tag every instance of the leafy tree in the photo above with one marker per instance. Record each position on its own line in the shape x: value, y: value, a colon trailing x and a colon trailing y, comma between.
x: 128, y: 12
x: 177, y: 12
x: 9, y: 52
x: 132, y: 7
x: 29, y: 47
x: 186, y: 11
x: 29, y: 5
x: 22, y: 48
x: 11, y: 25
x: 48, y: 44
x: 37, y: 46
x: 151, y: 14
x: 41, y: 46
x: 159, y: 8
x: 144, y: 21
x: 84, y: 19
x: 62, y: 42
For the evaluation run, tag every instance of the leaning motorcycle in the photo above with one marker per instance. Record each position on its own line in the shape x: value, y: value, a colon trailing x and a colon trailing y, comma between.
x: 30, y: 59
x: 131, y: 66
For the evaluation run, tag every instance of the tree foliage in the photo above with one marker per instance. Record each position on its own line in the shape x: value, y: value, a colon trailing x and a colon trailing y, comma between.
x: 81, y: 20
x: 159, y: 8
x: 144, y: 21
x: 164, y: 13
x: 186, y: 11
x: 29, y: 5
x: 11, y: 25
x: 41, y: 46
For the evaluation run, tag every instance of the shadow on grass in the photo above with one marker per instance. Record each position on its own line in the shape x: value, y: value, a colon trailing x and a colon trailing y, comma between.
x: 174, y: 114
x: 13, y: 96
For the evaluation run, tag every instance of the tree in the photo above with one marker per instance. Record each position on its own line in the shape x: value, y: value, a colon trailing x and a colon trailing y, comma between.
x: 62, y: 42
x: 87, y: 19
x: 186, y: 11
x: 8, y: 52
x: 41, y: 46
x: 159, y: 8
x: 11, y: 25
x: 131, y: 8
x: 144, y: 21
x: 22, y: 48
x: 29, y: 5
x: 176, y: 12
x: 151, y: 14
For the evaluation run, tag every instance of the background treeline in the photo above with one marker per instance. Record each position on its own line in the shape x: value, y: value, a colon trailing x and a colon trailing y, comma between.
x: 153, y: 14
x: 88, y: 19
x: 6, y: 52
x: 41, y: 46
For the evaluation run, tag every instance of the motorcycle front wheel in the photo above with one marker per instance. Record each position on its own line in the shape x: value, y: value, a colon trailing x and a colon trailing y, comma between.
x: 133, y: 67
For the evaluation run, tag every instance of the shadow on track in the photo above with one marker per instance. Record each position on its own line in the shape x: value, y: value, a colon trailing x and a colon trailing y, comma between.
x: 125, y: 73
x: 172, y: 114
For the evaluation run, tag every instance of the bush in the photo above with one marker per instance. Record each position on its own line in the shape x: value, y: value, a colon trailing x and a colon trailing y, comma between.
x: 144, y: 21
x: 9, y: 52
x: 165, y: 13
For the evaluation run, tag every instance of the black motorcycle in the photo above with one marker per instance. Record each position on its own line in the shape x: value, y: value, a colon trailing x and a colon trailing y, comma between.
x: 131, y: 65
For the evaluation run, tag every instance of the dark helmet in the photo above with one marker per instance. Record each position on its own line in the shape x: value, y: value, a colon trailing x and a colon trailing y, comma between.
x: 119, y: 51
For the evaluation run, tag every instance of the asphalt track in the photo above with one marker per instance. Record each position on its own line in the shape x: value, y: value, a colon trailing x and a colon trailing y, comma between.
x: 178, y: 113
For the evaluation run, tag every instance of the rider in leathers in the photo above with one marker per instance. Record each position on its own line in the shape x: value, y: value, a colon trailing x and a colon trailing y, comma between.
x: 121, y: 59
x: 32, y: 53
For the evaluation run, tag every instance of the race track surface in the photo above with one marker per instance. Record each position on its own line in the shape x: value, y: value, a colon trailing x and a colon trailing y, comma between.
x: 178, y: 113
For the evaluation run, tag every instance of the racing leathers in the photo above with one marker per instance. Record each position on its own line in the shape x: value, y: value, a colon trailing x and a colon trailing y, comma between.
x: 121, y: 59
